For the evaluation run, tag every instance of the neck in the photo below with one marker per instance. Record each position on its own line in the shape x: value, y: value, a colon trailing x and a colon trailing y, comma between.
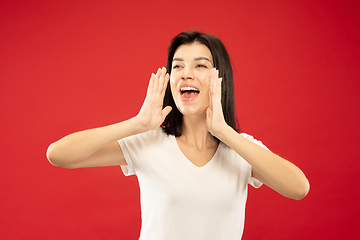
x: 194, y: 132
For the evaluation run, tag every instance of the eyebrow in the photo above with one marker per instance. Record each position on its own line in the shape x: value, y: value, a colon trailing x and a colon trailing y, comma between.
x: 196, y: 59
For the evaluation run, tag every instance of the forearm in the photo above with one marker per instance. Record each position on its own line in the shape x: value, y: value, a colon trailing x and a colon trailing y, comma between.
x: 98, y: 147
x: 276, y: 172
x: 78, y: 146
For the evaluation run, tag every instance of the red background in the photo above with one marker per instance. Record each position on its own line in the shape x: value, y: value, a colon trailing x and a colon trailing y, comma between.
x: 66, y: 66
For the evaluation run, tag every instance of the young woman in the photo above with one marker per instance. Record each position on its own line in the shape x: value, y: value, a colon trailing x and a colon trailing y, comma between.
x: 192, y: 164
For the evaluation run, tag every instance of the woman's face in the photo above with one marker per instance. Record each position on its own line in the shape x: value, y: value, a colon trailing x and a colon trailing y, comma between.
x: 190, y: 76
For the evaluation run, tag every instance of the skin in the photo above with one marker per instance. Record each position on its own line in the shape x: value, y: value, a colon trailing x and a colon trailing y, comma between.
x: 202, y: 119
x: 193, y: 66
x: 98, y: 147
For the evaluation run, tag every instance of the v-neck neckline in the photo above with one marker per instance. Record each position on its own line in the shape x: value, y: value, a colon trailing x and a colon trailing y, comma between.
x: 190, y: 163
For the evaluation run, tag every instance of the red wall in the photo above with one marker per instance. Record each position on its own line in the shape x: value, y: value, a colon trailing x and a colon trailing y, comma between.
x: 66, y: 66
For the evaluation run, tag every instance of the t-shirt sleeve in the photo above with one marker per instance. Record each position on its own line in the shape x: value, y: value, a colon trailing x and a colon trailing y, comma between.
x: 253, y: 181
x: 131, y: 148
x: 128, y: 169
x: 134, y: 147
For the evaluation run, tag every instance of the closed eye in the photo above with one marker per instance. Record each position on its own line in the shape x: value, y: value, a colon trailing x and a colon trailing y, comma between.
x: 176, y: 66
x: 201, y: 66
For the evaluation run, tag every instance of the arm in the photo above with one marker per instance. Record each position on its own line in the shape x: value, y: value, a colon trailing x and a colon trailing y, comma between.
x: 274, y: 171
x: 98, y: 146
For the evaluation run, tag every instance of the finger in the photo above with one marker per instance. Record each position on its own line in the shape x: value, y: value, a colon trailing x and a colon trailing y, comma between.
x: 166, y: 111
x: 211, y: 83
x: 214, y: 81
x: 211, y: 87
x: 208, y: 113
x: 208, y: 117
x: 151, y: 84
x: 158, y: 71
x: 162, y: 79
x: 218, y: 89
x: 156, y: 80
x: 167, y: 78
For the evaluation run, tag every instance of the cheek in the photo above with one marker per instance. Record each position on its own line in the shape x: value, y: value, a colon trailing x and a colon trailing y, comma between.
x: 172, y: 85
x: 204, y: 77
x: 205, y: 82
x: 173, y: 88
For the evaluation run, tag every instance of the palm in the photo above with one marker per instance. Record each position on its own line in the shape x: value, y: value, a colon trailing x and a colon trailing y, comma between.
x: 214, y: 114
x: 152, y: 113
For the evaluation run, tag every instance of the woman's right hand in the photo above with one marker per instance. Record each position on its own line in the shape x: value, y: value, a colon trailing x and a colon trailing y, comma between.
x: 152, y: 114
x: 98, y: 147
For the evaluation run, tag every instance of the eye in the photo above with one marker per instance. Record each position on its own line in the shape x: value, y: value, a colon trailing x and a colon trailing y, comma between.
x: 201, y: 66
x: 176, y: 66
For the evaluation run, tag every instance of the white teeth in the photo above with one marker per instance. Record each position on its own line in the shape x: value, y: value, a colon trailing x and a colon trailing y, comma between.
x: 189, y: 89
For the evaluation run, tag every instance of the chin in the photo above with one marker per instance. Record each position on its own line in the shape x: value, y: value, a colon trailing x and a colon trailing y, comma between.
x: 191, y: 110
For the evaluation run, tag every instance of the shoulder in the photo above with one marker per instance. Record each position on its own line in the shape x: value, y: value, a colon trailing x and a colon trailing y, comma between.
x: 142, y: 145
x: 254, y: 140
x: 248, y: 137
x: 148, y: 137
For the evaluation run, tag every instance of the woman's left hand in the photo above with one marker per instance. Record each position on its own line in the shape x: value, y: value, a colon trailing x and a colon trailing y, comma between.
x: 215, y: 121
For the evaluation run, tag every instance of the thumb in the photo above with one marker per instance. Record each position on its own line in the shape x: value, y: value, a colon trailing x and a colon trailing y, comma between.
x: 208, y: 113
x: 208, y: 119
x: 166, y: 111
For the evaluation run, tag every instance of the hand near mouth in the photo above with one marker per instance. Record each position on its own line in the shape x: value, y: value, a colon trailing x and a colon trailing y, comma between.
x: 214, y: 115
x: 152, y: 114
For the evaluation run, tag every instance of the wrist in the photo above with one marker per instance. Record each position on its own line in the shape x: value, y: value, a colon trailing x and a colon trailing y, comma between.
x: 137, y: 126
x: 224, y: 132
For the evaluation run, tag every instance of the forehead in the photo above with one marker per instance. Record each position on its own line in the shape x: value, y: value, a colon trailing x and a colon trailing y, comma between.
x: 189, y: 52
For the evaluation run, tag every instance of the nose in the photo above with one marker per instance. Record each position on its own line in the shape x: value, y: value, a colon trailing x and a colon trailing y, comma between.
x: 187, y: 73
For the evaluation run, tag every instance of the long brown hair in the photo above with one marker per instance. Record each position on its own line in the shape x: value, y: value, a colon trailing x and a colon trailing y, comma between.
x: 172, y: 123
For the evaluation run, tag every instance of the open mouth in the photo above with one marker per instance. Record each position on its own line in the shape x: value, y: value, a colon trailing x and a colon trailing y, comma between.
x: 189, y: 93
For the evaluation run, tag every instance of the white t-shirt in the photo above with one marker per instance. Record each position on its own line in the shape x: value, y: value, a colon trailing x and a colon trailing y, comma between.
x: 182, y: 201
